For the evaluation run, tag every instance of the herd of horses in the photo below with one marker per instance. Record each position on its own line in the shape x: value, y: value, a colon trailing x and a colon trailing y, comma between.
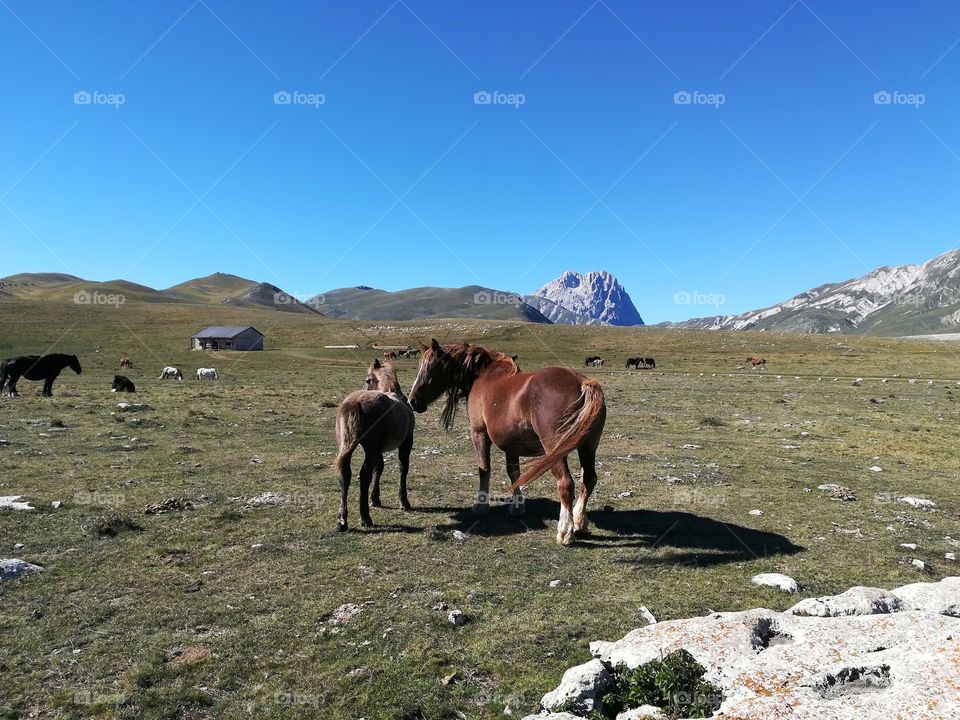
x: 545, y: 414
x: 49, y: 367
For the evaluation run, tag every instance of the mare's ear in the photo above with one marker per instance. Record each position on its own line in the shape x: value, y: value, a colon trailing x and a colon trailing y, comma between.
x: 434, y: 345
x: 423, y: 348
x: 376, y: 363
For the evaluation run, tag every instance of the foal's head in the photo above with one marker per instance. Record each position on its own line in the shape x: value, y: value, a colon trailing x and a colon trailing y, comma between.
x: 74, y: 364
x: 381, y: 376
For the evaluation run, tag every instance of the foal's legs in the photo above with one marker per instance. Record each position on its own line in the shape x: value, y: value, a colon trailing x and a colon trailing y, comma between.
x: 588, y: 481
x: 403, y: 455
x: 375, y: 495
x: 12, y: 386
x: 561, y: 471
x: 481, y: 442
x: 371, y: 459
x: 48, y: 387
x: 517, y: 504
x: 344, y: 487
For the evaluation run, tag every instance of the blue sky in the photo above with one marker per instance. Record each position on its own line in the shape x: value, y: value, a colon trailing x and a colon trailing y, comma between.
x: 781, y: 173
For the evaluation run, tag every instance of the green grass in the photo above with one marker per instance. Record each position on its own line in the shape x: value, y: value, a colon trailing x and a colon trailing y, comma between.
x: 224, y: 609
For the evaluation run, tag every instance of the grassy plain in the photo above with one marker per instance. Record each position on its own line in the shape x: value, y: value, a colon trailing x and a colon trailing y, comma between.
x: 227, y: 609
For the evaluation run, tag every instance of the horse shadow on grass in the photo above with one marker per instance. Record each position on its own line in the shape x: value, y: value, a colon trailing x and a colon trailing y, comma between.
x: 685, y: 537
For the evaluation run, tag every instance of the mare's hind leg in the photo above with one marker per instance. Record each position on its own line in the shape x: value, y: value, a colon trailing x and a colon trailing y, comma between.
x: 12, y: 386
x: 47, y: 388
x: 481, y: 443
x: 370, y: 462
x: 561, y: 471
x: 375, y: 495
x: 403, y: 455
x: 588, y: 481
x: 517, y: 504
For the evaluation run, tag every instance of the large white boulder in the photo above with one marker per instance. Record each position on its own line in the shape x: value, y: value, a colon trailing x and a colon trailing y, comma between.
x: 580, y: 685
x: 938, y: 597
x: 855, y: 601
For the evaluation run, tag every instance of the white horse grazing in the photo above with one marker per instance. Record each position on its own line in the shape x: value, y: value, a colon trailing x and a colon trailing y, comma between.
x: 207, y: 374
x: 171, y: 373
x: 597, y: 363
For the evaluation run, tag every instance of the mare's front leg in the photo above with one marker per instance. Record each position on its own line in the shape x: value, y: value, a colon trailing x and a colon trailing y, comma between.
x: 481, y: 443
x: 517, y: 504
x: 370, y: 462
x: 375, y: 495
x: 48, y: 387
x: 403, y: 456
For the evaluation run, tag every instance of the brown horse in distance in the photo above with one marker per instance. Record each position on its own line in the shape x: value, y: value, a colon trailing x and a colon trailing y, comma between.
x: 756, y: 361
x: 547, y: 413
x: 126, y: 363
x: 378, y: 419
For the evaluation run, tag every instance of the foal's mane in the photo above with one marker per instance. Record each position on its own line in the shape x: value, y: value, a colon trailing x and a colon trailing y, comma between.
x: 461, y: 365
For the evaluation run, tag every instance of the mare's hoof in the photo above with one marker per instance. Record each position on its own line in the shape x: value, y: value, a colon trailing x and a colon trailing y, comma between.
x: 367, y: 523
x: 375, y: 502
x: 565, y: 539
x: 405, y: 505
x: 342, y: 526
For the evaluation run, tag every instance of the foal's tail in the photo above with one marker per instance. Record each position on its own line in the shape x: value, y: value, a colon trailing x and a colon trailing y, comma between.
x: 349, y: 432
x: 573, y: 432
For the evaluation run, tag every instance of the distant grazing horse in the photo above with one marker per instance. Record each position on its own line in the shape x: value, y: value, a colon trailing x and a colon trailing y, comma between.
x: 409, y: 353
x: 589, y: 362
x: 171, y: 373
x: 389, y: 355
x: 548, y: 413
x: 35, y: 367
x: 126, y: 362
x: 634, y: 363
x: 598, y: 362
x: 756, y: 361
x: 207, y: 374
x: 378, y: 419
x: 649, y: 363
x: 121, y: 383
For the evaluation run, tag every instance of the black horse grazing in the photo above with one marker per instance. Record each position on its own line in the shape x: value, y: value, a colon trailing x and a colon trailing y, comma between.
x: 121, y: 383
x: 634, y: 362
x: 591, y: 361
x: 650, y: 363
x: 35, y: 367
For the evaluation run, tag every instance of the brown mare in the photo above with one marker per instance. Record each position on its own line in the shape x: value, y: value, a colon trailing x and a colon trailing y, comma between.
x: 755, y: 361
x: 126, y: 362
x: 378, y: 419
x: 389, y: 355
x: 553, y: 410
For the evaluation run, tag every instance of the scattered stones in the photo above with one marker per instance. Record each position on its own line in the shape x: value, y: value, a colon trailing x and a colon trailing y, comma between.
x: 909, y: 546
x: 267, y: 498
x: 56, y: 504
x: 919, y: 503
x: 11, y: 568
x: 132, y: 407
x: 13, y: 502
x: 756, y: 512
x: 838, y: 492
x: 779, y: 581
x: 554, y: 583
x: 457, y: 618
x: 875, y: 468
x: 690, y: 446
x: 644, y: 612
x: 174, y: 504
x: 918, y: 564
x: 459, y: 535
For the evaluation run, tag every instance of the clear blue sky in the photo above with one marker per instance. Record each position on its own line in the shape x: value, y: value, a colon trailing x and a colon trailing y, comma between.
x: 199, y: 170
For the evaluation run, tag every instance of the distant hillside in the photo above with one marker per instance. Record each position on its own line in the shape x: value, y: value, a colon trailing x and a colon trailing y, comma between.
x: 902, y: 300
x: 218, y: 288
x: 473, y: 301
